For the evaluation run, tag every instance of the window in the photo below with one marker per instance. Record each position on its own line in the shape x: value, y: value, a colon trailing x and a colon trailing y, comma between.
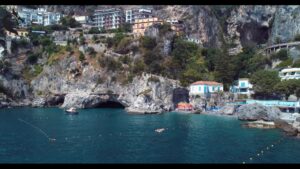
x: 292, y: 73
x: 243, y: 84
x: 199, y: 88
x: 213, y: 88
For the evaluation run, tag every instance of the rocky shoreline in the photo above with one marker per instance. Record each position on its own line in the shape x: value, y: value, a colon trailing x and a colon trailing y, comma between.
x: 254, y: 115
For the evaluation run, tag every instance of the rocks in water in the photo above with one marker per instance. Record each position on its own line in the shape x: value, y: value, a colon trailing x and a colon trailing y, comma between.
x: 132, y: 110
x: 256, y: 111
x: 260, y: 124
x: 227, y: 110
x: 285, y: 126
x: 38, y: 102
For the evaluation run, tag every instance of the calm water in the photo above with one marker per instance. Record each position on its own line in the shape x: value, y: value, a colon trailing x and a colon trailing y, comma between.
x: 113, y: 136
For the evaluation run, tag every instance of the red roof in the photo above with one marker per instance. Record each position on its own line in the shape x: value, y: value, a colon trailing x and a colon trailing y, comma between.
x: 206, y: 83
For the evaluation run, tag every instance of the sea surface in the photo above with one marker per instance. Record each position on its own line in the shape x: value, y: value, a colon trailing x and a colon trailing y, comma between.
x: 107, y: 135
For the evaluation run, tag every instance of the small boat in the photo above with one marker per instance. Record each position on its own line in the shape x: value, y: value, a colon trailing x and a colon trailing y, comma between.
x: 71, y: 111
x: 159, y: 130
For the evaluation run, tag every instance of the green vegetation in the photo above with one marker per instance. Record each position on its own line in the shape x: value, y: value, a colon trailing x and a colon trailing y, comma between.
x: 296, y: 63
x: 32, y: 58
x: 283, y: 54
x: 94, y: 30
x: 113, y: 42
x: 91, y: 51
x: 148, y: 42
x: 288, y: 87
x: 164, y: 28
x: 297, y: 37
x: 125, y: 59
x: 123, y: 44
x: 81, y: 57
x: 264, y: 82
x: 153, y: 79
x: 38, y: 69
x: 278, y: 40
x: 285, y: 63
x: 68, y: 21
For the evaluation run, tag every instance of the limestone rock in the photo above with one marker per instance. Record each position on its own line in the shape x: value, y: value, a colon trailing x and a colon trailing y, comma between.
x: 227, y: 110
x: 257, y: 112
x: 286, y: 127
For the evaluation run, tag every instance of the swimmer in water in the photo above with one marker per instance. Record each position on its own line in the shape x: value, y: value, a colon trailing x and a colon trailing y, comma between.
x: 52, y: 139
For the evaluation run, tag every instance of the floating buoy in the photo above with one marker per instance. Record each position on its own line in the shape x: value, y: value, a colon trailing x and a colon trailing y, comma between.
x: 272, y: 145
x: 267, y: 148
x: 250, y: 158
x: 243, y: 162
x: 258, y: 154
x: 160, y: 130
x: 262, y: 151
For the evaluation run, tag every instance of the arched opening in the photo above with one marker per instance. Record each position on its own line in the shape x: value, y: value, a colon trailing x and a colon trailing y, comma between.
x: 110, y: 104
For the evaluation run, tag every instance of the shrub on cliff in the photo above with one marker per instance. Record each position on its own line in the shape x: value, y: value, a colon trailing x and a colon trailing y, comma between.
x: 94, y: 31
x: 81, y: 57
x: 287, y: 87
x: 32, y: 58
x: 148, y: 42
x: 264, y: 82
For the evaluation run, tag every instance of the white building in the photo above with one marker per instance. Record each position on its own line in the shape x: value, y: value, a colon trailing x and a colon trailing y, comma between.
x: 108, y: 18
x: 289, y: 73
x: 205, y: 87
x: 38, y: 16
x: 242, y: 86
x: 195, y: 40
x: 138, y: 13
x: 81, y: 19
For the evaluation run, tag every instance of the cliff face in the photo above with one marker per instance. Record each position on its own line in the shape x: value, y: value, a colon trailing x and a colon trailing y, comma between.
x: 80, y: 83
x: 286, y: 23
x: 235, y: 26
x: 243, y: 26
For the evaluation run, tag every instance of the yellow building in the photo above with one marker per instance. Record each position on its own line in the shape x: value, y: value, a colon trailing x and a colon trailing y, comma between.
x: 140, y: 25
x: 21, y: 33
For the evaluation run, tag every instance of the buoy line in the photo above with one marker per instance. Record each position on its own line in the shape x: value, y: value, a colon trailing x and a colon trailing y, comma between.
x: 39, y: 129
x: 267, y: 148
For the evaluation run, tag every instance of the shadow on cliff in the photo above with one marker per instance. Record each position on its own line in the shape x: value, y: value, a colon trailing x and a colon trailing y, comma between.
x: 109, y: 104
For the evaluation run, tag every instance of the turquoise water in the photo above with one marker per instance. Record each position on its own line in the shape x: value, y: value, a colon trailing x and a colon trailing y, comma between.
x: 113, y: 136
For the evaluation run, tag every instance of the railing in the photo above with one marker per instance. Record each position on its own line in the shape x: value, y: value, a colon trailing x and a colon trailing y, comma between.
x: 277, y: 103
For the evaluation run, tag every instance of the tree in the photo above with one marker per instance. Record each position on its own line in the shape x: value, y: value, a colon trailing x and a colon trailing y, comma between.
x: 148, y: 42
x: 278, y: 40
x: 81, y: 57
x: 264, y: 82
x: 296, y: 63
x: 283, y: 54
x: 32, y: 58
x: 94, y: 30
x: 70, y: 22
x: 288, y: 87
x: 182, y: 52
x: 297, y: 37
x: 153, y: 61
x: 138, y: 66
x: 126, y: 27
x: 9, y: 22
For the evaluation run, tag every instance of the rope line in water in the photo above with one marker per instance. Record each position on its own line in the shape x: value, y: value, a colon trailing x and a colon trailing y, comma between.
x: 260, y: 153
x: 39, y: 129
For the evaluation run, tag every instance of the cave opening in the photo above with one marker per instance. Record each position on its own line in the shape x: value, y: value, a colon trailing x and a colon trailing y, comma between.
x: 110, y: 104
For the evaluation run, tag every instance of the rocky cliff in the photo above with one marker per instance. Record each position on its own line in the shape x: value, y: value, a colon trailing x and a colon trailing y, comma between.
x: 82, y: 89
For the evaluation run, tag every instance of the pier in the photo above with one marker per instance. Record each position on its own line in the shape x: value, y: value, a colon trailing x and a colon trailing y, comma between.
x: 284, y: 106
